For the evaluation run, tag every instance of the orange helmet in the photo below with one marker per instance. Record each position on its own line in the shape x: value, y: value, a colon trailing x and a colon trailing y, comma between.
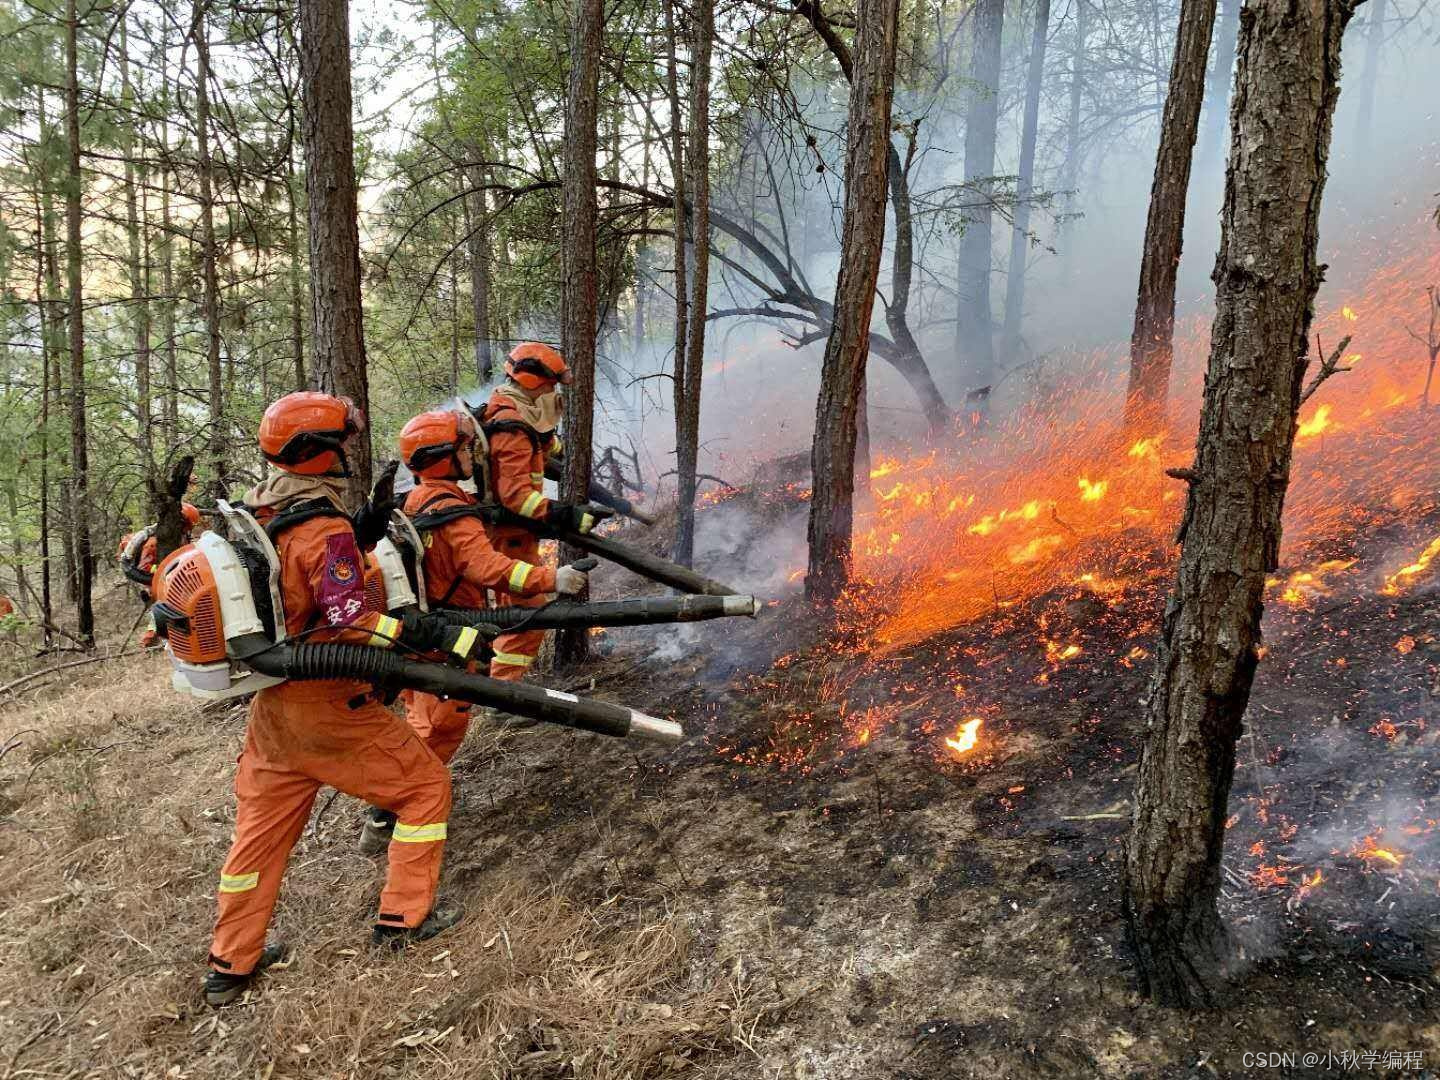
x: 191, y: 514
x: 534, y: 365
x: 430, y: 441
x: 305, y: 433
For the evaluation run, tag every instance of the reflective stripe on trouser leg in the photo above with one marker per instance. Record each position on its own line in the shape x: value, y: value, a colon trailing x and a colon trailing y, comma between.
x: 515, y: 654
x: 440, y: 723
x: 274, y: 806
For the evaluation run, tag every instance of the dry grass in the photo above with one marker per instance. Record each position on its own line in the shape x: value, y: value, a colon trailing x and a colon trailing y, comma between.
x: 117, y: 810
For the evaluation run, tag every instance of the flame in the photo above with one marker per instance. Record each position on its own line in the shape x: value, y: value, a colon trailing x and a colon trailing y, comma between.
x: 1405, y: 645
x: 965, y: 737
x: 1056, y: 653
x: 1092, y: 492
x: 1348, y: 314
x: 1146, y: 448
x: 1402, y: 576
x: 1369, y: 850
x: 1319, y: 421
x: 885, y: 467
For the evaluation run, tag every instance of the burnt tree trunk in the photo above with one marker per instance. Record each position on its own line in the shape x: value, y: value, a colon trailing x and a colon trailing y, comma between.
x: 581, y: 279
x: 1266, y: 276
x: 867, y: 156
x: 1217, y: 87
x: 79, y: 444
x: 688, y: 378
x: 337, y: 339
x: 1025, y: 185
x: 973, y: 341
x: 1153, y: 338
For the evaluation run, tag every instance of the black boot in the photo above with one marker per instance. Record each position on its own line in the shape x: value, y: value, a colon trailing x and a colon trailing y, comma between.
x: 221, y: 988
x: 441, y: 918
x: 379, y: 827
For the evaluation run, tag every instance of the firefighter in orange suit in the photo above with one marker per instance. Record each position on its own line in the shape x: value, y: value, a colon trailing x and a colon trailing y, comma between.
x: 460, y: 565
x: 302, y: 735
x: 520, y: 422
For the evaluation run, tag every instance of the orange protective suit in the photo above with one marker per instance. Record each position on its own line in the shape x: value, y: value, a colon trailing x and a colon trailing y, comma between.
x: 303, y: 735
x: 517, y: 480
x: 460, y: 565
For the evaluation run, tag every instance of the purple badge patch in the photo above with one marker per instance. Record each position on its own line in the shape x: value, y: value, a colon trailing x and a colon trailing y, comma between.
x: 342, y: 591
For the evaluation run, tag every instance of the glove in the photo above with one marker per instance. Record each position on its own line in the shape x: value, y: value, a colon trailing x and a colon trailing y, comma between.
x: 372, y: 519
x: 579, y: 519
x: 425, y: 633
x: 569, y: 581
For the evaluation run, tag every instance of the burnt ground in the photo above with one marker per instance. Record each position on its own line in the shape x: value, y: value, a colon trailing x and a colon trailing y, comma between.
x: 921, y: 916
x: 841, y: 895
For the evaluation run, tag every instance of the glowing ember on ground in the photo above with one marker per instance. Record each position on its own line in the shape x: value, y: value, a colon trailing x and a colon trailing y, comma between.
x: 1055, y: 652
x: 1405, y: 645
x: 1403, y: 577
x: 1270, y: 877
x: 965, y: 737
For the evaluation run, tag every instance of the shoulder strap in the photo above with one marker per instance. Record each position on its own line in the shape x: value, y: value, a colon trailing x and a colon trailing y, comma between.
x: 496, y: 427
x: 299, y: 513
x: 424, y: 519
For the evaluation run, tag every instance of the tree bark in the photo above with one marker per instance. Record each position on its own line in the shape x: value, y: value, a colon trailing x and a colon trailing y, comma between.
x: 1266, y: 276
x: 973, y: 341
x: 171, y: 407
x: 1070, y: 174
x: 138, y: 270
x: 337, y: 331
x: 581, y: 284
x: 478, y: 233
x: 55, y: 400
x: 682, y: 205
x: 1217, y: 89
x: 1153, y: 338
x: 79, y: 445
x: 210, y: 303
x: 688, y: 379
x: 867, y: 156
x: 292, y: 236
x: 1025, y: 185
x: 44, y: 301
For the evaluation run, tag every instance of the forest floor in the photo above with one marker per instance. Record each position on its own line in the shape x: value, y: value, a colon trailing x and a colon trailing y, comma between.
x: 812, y: 885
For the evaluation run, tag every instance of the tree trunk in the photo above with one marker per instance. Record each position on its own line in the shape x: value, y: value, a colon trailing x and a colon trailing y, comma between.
x: 581, y: 287
x: 55, y: 352
x: 43, y: 302
x: 138, y: 269
x: 1266, y: 276
x: 337, y: 331
x: 1025, y: 185
x: 677, y: 173
x: 867, y: 155
x: 167, y: 263
x: 292, y: 236
x: 1374, y: 39
x: 687, y: 389
x: 1070, y: 174
x: 1217, y: 89
x: 1152, y: 341
x: 79, y: 448
x: 478, y: 231
x: 973, y: 342
x: 909, y: 363
x: 210, y: 304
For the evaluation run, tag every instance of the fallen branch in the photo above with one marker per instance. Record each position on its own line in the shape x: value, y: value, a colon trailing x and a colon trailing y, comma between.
x: 10, y: 686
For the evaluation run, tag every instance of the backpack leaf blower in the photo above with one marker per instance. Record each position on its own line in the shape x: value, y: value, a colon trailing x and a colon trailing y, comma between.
x: 218, y: 606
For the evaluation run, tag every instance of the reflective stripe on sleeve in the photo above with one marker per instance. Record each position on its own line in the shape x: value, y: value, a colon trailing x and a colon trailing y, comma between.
x: 531, y: 504
x: 537, y: 478
x: 239, y: 882
x: 386, y: 630
x: 514, y: 659
x: 465, y: 642
x: 519, y: 574
x: 418, y: 834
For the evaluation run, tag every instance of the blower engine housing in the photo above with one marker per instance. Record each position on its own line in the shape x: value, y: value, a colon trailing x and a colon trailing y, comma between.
x: 206, y: 608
